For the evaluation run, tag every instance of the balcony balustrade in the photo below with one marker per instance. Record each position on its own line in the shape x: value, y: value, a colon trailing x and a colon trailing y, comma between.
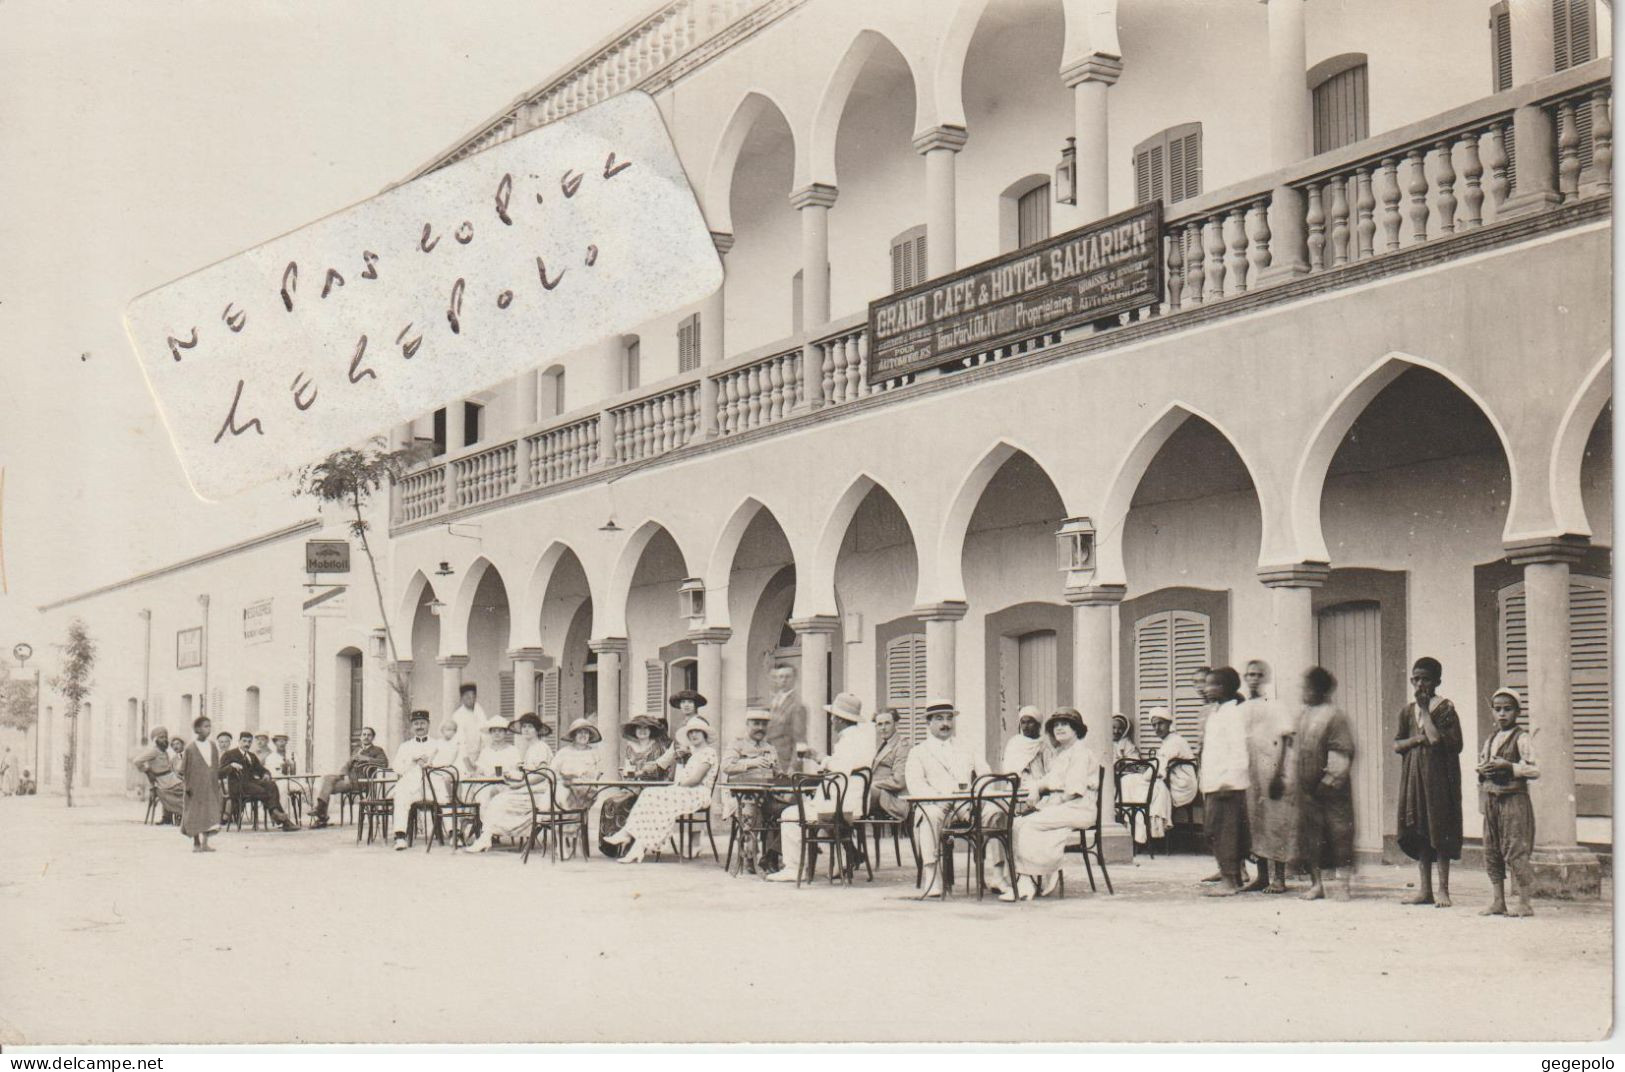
x: 1447, y: 186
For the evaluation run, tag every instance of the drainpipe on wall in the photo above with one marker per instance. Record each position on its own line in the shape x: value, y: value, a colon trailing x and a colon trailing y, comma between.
x: 146, y: 673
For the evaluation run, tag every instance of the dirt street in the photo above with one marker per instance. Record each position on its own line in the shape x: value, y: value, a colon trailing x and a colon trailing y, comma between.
x: 115, y: 932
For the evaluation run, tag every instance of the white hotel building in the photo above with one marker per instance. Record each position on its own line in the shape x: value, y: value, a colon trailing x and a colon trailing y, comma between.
x: 1368, y: 420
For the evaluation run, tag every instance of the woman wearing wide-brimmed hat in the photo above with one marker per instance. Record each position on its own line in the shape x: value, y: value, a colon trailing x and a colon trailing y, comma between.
x: 643, y: 745
x: 578, y: 761
x: 1065, y: 797
x: 685, y: 704
x: 506, y: 813
x: 654, y: 816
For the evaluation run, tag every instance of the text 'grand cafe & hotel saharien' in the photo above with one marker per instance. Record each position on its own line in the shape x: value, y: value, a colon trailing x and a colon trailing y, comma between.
x: 1325, y: 379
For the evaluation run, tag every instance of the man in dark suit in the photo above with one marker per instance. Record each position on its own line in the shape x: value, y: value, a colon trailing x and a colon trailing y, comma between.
x: 366, y: 759
x: 245, y: 772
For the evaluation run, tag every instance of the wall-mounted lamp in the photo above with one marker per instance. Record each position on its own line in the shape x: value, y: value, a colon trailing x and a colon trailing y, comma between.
x: 436, y: 607
x: 609, y: 526
x: 1075, y: 543
x: 1066, y: 175
x: 445, y: 570
x: 377, y: 643
x: 691, y: 601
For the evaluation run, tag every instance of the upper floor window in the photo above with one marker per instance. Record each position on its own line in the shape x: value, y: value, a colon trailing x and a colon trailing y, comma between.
x: 1574, y: 35
x: 550, y: 397
x: 1169, y: 165
x: 632, y: 362
x: 1341, y: 109
x: 473, y: 417
x: 688, y: 343
x: 908, y: 259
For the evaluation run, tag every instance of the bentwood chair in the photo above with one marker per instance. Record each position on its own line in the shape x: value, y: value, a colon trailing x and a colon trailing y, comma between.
x: 152, y: 801
x: 374, y: 807
x: 231, y: 794
x: 552, y: 819
x: 1135, y: 811
x: 1189, y: 809
x: 1090, y: 844
x: 442, y: 804
x: 834, y: 832
x: 876, y: 821
x: 991, y: 820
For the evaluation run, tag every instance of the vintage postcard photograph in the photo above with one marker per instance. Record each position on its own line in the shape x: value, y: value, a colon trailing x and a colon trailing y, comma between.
x: 797, y: 522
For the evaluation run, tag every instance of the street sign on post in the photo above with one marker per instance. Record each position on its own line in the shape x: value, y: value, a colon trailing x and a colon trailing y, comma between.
x: 327, y: 556
x: 326, y: 600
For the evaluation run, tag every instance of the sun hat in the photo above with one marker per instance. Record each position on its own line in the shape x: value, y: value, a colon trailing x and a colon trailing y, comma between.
x: 1068, y: 715
x: 583, y: 724
x: 848, y: 707
x: 679, y: 696
x: 528, y: 719
x: 656, y: 726
x: 696, y: 723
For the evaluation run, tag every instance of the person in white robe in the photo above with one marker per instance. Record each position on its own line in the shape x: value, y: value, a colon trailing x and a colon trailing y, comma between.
x: 1027, y: 753
x: 854, y: 747
x: 471, y: 725
x: 1065, y: 801
x: 1175, y: 787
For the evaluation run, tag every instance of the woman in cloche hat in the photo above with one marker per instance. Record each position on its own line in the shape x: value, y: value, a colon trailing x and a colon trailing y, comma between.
x: 654, y: 817
x: 578, y: 761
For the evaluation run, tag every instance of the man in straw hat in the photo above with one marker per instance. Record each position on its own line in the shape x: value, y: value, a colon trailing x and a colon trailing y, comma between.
x: 753, y: 759
x: 854, y: 748
x: 154, y: 761
x: 938, y: 766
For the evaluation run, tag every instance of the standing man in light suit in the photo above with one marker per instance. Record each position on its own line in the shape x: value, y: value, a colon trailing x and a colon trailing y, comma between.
x: 471, y: 722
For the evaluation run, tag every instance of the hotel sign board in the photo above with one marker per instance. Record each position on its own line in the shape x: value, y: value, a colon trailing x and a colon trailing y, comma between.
x: 257, y: 622
x: 1106, y: 268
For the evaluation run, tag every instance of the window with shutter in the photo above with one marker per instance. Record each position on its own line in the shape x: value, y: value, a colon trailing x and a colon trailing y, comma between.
x: 1500, y: 48
x: 1169, y: 646
x: 505, y: 695
x: 1339, y: 94
x: 908, y: 259
x: 1589, y: 650
x: 1574, y: 41
x: 1168, y: 165
x: 547, y: 699
x: 688, y: 344
x: 654, y: 687
x: 291, y: 694
x: 1032, y: 216
x: 905, y: 684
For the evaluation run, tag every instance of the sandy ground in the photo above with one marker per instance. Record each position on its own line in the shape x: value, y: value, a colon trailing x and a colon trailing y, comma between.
x: 115, y: 932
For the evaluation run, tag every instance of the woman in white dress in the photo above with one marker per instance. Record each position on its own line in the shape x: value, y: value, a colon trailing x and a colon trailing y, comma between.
x: 578, y: 761
x: 506, y: 813
x: 1064, y: 800
x: 654, y: 816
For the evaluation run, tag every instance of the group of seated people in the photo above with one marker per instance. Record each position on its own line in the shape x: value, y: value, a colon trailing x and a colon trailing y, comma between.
x: 247, y: 770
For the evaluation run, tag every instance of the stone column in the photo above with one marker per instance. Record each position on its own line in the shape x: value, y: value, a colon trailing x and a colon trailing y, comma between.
x: 524, y: 417
x: 527, y: 662
x: 940, y: 146
x: 451, y: 681
x: 1093, y: 617
x: 1535, y: 165
x: 814, y: 202
x: 1292, y: 635
x: 708, y: 652
x: 1562, y: 868
x: 713, y: 352
x: 1291, y: 132
x: 403, y: 435
x: 611, y: 653
x: 1089, y: 79
x: 939, y: 619
x: 815, y: 633
x: 455, y: 428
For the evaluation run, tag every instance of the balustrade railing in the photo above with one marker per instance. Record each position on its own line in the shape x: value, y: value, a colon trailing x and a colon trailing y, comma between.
x: 759, y: 393
x: 1493, y: 161
x: 421, y: 494
x: 656, y: 424
x: 490, y: 474
x: 631, y: 59
x: 564, y: 452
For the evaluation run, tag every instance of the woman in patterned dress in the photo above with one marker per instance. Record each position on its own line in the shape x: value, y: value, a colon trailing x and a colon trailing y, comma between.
x: 654, y: 817
x: 643, y: 747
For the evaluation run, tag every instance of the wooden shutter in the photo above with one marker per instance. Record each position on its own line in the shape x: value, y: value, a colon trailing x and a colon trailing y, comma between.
x: 906, y: 684
x: 292, y: 724
x: 1589, y: 655
x: 1032, y: 216
x: 1168, y: 165
x: 1574, y: 38
x: 217, y: 703
x: 547, y: 692
x: 505, y: 694
x: 688, y: 344
x: 1500, y: 48
x: 1341, y: 113
x: 654, y: 687
x: 908, y: 258
x: 1169, y: 646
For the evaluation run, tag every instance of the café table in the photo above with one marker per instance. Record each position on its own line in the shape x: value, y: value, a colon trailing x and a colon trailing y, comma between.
x: 752, y: 799
x: 956, y: 808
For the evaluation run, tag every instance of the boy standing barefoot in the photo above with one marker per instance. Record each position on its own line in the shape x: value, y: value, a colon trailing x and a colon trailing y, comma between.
x: 1429, y: 742
x: 1505, y: 765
